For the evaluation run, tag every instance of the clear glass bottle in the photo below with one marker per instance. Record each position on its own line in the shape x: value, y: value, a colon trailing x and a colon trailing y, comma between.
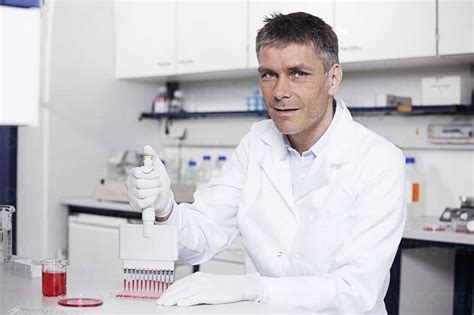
x: 204, y: 170
x: 217, y: 169
x: 190, y: 176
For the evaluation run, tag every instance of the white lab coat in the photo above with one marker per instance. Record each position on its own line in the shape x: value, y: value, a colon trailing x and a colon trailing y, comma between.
x: 328, y: 249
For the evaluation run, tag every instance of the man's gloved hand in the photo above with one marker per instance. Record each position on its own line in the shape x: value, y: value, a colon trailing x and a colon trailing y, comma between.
x: 206, y: 288
x: 152, y: 189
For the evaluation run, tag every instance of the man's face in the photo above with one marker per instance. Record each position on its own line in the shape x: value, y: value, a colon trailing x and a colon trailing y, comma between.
x: 296, y: 89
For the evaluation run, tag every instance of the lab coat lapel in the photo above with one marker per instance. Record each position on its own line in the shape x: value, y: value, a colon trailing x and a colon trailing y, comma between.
x: 277, y: 167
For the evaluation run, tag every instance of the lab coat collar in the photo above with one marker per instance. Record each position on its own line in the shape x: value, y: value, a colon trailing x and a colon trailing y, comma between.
x: 274, y: 138
x: 340, y: 142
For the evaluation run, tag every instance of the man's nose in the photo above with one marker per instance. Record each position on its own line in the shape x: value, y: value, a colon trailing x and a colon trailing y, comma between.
x: 282, y: 89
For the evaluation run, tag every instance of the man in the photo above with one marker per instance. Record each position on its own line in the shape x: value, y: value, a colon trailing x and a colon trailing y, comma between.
x: 317, y: 198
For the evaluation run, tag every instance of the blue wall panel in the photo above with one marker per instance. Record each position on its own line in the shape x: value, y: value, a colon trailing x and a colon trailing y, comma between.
x: 8, y: 170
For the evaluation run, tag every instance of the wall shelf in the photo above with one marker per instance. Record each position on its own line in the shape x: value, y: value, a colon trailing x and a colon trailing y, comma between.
x: 186, y: 115
x: 392, y: 110
x: 416, y: 110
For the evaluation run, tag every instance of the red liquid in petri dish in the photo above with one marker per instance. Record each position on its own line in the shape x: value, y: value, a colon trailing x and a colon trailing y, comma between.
x: 54, y: 283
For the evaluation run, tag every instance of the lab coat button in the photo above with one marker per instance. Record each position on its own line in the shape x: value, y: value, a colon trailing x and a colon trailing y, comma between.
x: 279, y: 254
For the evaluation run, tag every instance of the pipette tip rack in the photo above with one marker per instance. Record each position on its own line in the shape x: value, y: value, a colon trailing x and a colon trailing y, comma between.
x: 148, y: 262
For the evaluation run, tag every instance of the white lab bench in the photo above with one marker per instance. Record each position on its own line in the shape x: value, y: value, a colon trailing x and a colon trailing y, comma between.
x: 448, y: 257
x: 25, y: 294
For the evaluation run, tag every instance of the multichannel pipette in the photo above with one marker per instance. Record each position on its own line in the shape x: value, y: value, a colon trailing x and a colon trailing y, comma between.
x: 148, y: 252
x: 148, y: 214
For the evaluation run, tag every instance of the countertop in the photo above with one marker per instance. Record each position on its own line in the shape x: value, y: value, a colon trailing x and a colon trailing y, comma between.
x: 24, y: 295
x: 413, y: 229
x: 97, y: 204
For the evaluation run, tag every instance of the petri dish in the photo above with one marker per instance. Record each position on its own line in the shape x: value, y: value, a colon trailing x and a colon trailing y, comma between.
x: 80, y: 302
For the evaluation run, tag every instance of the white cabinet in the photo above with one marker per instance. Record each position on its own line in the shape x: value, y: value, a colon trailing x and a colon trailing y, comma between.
x: 382, y: 30
x: 19, y: 65
x: 258, y: 9
x: 93, y: 245
x: 159, y: 38
x: 144, y: 38
x: 211, y: 35
x: 455, y: 27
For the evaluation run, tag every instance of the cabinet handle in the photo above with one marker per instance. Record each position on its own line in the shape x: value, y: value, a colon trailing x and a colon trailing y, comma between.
x: 351, y: 48
x: 163, y: 63
x: 187, y: 61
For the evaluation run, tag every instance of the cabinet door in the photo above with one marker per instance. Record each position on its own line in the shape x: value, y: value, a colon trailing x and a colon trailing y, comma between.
x: 455, y: 27
x: 381, y: 30
x: 258, y: 9
x: 211, y: 35
x: 144, y: 38
x: 93, y: 245
x: 19, y: 65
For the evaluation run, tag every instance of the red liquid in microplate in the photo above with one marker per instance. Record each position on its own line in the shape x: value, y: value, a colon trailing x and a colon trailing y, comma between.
x: 54, y: 283
x: 153, y: 289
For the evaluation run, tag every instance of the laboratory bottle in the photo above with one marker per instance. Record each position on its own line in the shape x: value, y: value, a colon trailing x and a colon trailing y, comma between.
x: 161, y: 101
x: 189, y: 177
x: 217, y: 169
x: 415, y: 189
x: 204, y: 171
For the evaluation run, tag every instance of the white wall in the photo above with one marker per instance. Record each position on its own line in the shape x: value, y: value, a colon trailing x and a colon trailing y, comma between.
x: 90, y: 116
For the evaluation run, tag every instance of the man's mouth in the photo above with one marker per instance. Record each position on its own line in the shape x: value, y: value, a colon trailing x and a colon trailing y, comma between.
x: 285, y: 113
x: 286, y: 109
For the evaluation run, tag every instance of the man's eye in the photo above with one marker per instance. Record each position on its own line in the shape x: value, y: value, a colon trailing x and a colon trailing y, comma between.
x: 267, y: 75
x: 299, y: 74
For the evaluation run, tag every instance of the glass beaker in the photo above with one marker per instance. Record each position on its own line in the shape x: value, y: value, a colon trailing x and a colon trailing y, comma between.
x: 6, y: 213
x: 54, y: 277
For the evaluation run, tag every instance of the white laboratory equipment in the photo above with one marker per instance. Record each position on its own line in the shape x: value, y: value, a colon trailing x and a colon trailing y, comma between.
x: 415, y: 189
x: 6, y: 213
x: 111, y: 187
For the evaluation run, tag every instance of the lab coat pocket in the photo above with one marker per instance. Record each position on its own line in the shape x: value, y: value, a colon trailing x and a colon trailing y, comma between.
x: 319, y: 239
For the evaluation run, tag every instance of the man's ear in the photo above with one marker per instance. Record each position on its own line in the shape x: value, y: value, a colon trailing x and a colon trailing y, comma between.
x: 335, y: 78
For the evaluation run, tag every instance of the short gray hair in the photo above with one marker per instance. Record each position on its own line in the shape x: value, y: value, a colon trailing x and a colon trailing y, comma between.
x: 302, y: 28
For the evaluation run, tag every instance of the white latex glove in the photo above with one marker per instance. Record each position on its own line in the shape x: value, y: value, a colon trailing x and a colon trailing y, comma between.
x: 206, y: 288
x: 152, y: 189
